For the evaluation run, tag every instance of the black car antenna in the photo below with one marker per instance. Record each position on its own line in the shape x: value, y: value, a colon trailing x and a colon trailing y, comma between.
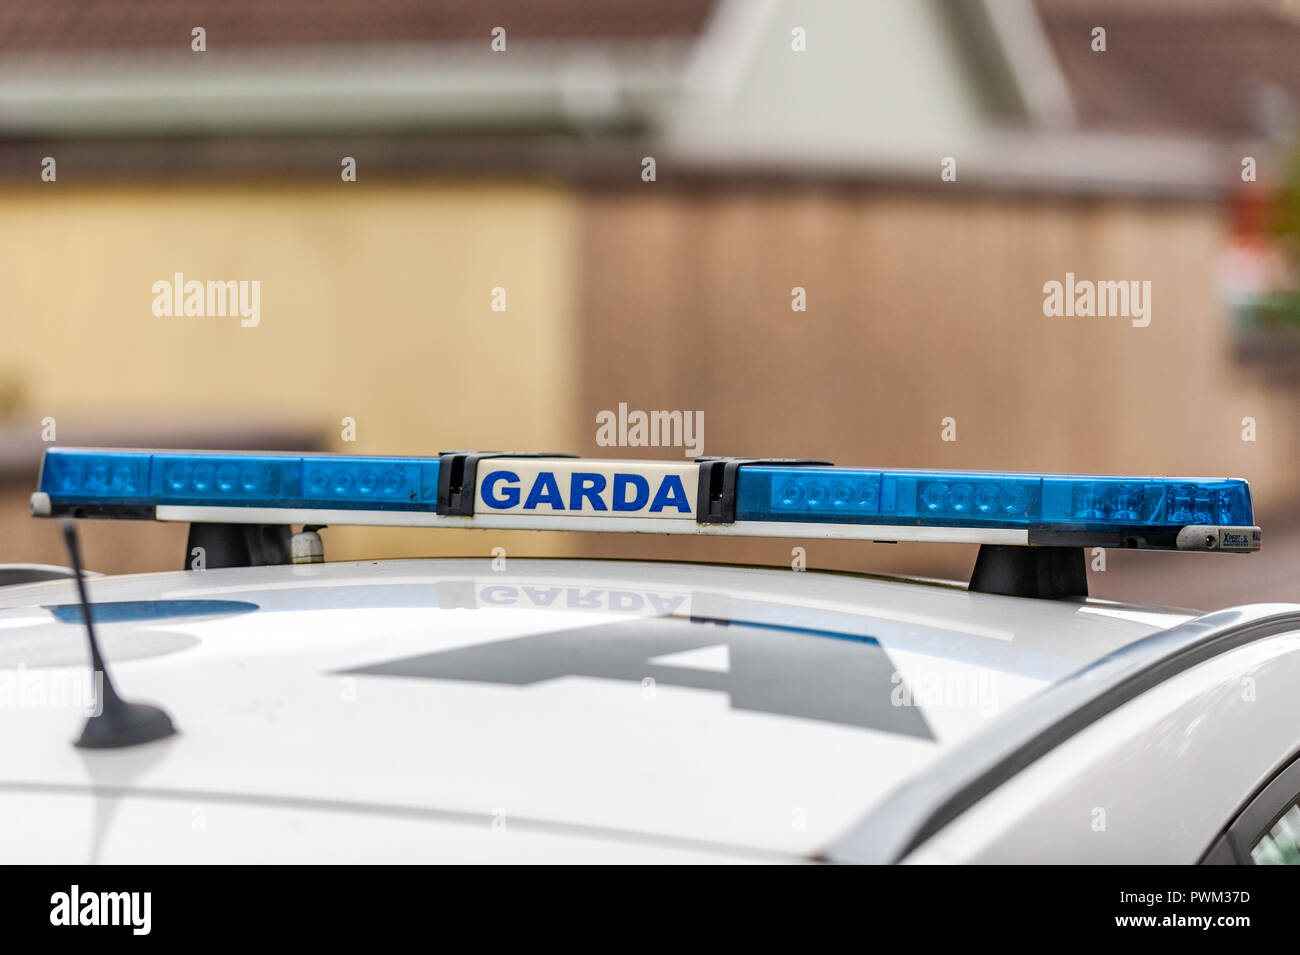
x: 118, y: 723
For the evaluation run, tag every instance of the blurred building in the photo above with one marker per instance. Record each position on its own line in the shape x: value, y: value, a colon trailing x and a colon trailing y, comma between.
x: 647, y: 187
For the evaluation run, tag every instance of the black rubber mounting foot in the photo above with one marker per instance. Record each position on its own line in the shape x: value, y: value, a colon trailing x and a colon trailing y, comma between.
x: 1015, y: 571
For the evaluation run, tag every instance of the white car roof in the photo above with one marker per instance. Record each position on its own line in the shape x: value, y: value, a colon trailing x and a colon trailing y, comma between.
x: 750, y: 712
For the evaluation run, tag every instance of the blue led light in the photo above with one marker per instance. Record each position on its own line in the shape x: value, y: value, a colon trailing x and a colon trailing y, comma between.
x: 984, y: 499
x: 120, y: 477
x: 217, y: 478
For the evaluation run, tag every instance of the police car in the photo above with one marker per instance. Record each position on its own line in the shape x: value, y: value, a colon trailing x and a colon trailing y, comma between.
x: 273, y: 707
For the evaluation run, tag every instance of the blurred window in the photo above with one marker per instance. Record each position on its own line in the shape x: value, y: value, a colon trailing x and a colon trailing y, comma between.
x: 1281, y: 844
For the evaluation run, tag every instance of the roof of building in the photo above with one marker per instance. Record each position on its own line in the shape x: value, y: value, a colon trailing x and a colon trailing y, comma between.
x: 1215, y: 67
x: 1012, y: 86
x: 117, y: 24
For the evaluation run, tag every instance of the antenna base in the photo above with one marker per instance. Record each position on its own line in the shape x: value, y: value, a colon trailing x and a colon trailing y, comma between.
x: 125, y: 724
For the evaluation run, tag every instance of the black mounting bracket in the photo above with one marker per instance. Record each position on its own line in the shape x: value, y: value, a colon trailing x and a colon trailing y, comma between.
x: 458, y: 477
x: 715, y: 497
x: 239, y: 545
x: 1020, y: 571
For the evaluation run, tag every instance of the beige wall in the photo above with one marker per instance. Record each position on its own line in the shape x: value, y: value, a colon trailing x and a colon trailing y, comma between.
x: 920, y: 306
x: 375, y: 305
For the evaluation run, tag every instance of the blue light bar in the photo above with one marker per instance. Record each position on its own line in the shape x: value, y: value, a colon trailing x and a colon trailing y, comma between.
x: 762, y: 498
x: 217, y: 478
x: 987, y: 499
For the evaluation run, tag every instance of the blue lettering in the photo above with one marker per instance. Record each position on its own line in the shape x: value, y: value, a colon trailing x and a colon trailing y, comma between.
x: 671, y: 493
x: 589, y: 485
x: 499, y: 595
x: 623, y: 601
x: 542, y: 598
x: 621, y: 483
x: 509, y: 496
x: 591, y: 601
x: 664, y: 606
x: 545, y: 491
